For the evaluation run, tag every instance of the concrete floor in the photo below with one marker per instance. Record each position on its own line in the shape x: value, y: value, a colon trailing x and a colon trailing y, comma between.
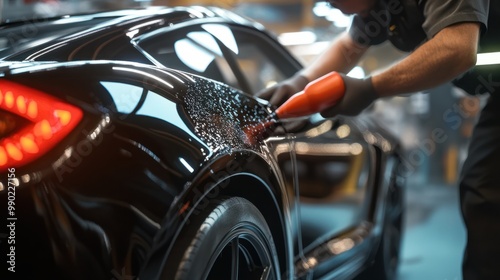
x: 434, y: 236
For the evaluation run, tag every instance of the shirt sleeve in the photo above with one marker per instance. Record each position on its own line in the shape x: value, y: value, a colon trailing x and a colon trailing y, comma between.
x: 366, y: 31
x: 443, y: 13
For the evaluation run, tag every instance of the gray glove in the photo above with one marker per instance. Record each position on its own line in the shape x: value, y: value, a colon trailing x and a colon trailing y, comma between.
x: 359, y: 94
x: 280, y: 92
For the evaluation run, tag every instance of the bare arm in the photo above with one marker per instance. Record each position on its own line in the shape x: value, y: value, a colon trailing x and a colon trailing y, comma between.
x: 450, y: 53
x: 342, y: 55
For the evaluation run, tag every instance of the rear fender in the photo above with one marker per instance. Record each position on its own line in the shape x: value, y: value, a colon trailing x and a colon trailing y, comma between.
x: 246, y: 175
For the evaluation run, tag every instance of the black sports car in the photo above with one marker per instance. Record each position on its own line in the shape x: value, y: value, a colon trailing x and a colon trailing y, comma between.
x: 125, y: 154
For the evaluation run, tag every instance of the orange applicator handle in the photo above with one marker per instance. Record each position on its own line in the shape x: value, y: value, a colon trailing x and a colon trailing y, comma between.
x: 317, y: 96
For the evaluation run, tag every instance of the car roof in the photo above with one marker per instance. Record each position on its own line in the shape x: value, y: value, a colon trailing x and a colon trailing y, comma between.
x: 36, y: 35
x: 125, y: 15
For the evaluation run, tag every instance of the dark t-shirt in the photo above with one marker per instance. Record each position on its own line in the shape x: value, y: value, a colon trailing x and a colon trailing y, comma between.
x: 408, y: 23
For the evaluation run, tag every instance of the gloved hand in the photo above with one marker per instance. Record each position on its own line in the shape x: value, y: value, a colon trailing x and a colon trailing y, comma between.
x: 294, y: 126
x: 280, y: 92
x: 359, y: 94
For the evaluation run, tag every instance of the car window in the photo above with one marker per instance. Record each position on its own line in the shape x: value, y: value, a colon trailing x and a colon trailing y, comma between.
x: 237, y: 56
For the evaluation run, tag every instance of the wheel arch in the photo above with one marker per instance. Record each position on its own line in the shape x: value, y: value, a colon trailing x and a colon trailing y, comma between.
x: 256, y: 181
x: 259, y: 194
x: 246, y: 175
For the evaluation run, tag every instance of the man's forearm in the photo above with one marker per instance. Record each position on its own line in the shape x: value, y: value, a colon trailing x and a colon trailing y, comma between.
x: 450, y: 53
x: 342, y: 55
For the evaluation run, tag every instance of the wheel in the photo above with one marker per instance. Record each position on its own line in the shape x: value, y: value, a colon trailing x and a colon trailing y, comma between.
x: 228, y: 239
x: 386, y: 260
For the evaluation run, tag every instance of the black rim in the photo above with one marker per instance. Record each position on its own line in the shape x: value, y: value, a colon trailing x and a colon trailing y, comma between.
x: 243, y: 254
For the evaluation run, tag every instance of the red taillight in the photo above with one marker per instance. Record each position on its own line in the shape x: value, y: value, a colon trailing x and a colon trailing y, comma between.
x: 49, y: 120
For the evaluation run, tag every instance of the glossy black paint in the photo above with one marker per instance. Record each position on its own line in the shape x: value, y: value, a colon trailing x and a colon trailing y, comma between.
x: 116, y: 182
x: 131, y: 36
x: 156, y: 144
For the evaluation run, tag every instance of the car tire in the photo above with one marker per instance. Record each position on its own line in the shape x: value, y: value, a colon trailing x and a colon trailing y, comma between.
x: 228, y: 239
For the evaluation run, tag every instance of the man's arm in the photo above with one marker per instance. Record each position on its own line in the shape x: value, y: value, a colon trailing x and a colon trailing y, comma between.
x: 341, y: 56
x: 450, y: 53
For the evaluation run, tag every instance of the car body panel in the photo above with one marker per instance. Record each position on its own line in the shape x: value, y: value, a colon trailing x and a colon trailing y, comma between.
x: 127, y: 145
x: 136, y: 39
